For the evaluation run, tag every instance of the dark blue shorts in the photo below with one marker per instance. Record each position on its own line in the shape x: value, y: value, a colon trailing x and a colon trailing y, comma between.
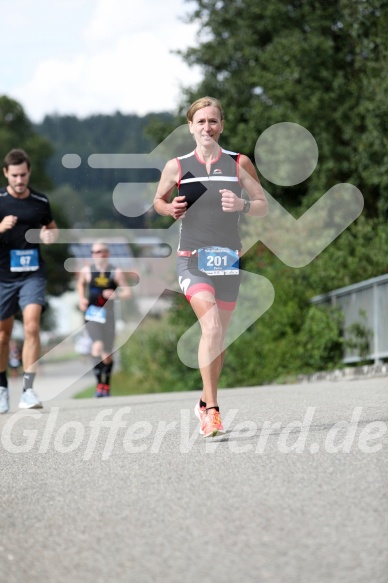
x: 20, y: 293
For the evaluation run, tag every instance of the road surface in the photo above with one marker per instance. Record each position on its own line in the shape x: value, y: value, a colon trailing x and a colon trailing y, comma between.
x: 125, y: 490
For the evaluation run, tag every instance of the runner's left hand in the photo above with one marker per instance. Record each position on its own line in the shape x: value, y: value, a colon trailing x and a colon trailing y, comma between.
x: 47, y: 236
x: 230, y: 202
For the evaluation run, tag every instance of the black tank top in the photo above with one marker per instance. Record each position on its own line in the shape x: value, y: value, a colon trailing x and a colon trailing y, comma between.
x: 101, y: 280
x: 205, y: 223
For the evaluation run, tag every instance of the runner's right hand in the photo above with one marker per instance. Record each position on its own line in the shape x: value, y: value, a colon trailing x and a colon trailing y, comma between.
x: 178, y: 207
x: 8, y: 223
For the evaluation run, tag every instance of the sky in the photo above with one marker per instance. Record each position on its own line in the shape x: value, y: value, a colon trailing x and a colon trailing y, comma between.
x: 86, y: 57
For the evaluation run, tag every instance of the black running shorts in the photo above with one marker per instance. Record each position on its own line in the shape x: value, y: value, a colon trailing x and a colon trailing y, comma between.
x: 225, y: 288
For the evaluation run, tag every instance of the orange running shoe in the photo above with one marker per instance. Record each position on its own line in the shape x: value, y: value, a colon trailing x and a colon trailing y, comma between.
x: 200, y: 412
x: 211, y: 424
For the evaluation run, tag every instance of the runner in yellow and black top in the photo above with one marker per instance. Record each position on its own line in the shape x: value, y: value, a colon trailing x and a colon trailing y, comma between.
x: 97, y: 285
x: 209, y: 203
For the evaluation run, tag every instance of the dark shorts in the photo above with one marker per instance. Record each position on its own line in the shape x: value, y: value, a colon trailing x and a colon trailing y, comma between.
x: 104, y: 333
x: 225, y: 288
x: 20, y: 293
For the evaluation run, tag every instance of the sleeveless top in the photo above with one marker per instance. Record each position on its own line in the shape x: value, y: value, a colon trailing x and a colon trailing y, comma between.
x: 205, y: 223
x: 101, y: 280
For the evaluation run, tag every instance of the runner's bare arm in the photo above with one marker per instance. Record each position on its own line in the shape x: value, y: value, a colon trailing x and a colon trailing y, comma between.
x: 167, y: 184
x: 250, y: 182
x: 121, y: 281
x: 82, y: 281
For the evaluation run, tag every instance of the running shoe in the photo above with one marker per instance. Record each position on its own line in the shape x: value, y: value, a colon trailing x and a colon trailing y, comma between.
x: 99, y: 390
x: 199, y: 411
x: 211, y: 424
x: 4, y: 400
x: 29, y: 400
x: 106, y: 390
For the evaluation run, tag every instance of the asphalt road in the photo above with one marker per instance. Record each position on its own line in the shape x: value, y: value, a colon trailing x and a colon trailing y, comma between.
x: 125, y: 490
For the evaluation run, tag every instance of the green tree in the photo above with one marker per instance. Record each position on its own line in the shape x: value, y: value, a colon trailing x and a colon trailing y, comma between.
x: 319, y: 64
x: 58, y: 279
x: 322, y: 65
x: 74, y: 208
x: 293, y: 337
x: 109, y: 134
x: 16, y: 131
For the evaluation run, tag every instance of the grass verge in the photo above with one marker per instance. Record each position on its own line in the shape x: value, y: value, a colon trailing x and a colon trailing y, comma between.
x: 120, y: 386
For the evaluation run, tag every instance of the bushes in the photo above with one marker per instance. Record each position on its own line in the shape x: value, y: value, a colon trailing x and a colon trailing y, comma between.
x: 293, y: 337
x: 321, y: 343
x: 150, y: 360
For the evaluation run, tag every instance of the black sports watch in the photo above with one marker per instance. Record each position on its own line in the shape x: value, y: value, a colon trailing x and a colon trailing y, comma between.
x: 247, y: 206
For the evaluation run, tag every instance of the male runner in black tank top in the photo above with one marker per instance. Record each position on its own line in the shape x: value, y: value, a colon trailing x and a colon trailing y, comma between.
x: 96, y: 287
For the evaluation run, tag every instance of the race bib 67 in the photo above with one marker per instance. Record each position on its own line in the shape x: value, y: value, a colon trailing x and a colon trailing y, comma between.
x: 24, y: 260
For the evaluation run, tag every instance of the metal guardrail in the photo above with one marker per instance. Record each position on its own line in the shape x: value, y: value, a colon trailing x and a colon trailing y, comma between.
x: 369, y: 297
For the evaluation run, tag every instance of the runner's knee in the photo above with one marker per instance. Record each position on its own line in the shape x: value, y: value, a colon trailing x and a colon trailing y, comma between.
x: 31, y: 328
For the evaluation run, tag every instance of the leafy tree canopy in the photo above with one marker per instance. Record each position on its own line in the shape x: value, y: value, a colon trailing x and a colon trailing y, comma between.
x: 319, y: 64
x: 16, y: 131
x: 91, y: 189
